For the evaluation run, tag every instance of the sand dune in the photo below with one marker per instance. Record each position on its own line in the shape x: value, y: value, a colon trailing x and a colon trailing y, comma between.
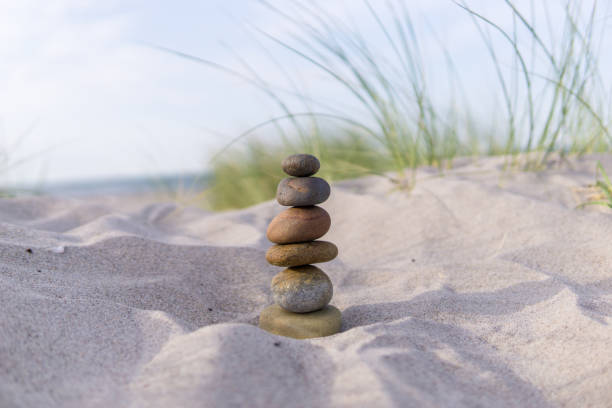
x: 477, y: 289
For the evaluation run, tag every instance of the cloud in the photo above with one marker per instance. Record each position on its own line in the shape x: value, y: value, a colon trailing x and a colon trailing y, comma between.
x: 110, y: 106
x: 76, y: 69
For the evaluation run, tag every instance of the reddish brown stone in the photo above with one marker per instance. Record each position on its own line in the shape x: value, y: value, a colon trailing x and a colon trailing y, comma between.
x: 299, y: 224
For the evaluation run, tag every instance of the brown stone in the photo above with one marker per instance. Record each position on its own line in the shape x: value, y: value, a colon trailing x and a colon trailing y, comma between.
x: 301, y: 254
x: 324, y: 322
x: 302, y: 289
x: 298, y: 224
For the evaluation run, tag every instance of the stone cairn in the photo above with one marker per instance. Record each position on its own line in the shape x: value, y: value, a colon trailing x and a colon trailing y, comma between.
x: 302, y: 291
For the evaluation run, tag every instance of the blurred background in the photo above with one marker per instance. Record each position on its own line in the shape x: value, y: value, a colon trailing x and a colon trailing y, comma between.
x: 113, y: 96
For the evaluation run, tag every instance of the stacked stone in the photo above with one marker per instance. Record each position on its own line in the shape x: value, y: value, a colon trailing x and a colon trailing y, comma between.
x: 302, y: 291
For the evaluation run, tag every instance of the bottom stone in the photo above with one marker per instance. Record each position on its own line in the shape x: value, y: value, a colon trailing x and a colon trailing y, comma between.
x: 324, y: 322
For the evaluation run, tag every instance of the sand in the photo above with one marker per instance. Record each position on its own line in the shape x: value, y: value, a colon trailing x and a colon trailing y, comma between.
x: 477, y: 289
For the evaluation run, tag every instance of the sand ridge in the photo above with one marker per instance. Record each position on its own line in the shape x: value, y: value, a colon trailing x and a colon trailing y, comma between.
x: 474, y: 290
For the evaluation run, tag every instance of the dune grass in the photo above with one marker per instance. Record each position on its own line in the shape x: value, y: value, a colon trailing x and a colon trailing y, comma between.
x: 10, y: 160
x: 254, y: 171
x: 4, y: 165
x: 603, y: 187
x: 563, y: 113
x: 553, y: 97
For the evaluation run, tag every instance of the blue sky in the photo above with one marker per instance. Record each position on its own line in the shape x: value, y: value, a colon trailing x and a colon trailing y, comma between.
x: 83, y: 96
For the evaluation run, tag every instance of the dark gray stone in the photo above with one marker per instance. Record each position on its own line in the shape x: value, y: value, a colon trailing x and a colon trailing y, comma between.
x: 301, y: 165
x: 302, y: 191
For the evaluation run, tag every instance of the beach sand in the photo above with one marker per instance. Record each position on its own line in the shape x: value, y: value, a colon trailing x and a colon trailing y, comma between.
x: 476, y: 289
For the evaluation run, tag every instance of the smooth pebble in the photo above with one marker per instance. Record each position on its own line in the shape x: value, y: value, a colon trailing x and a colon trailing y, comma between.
x: 324, y: 322
x: 301, y: 165
x: 302, y: 289
x: 303, y: 253
x: 298, y: 224
x: 302, y: 191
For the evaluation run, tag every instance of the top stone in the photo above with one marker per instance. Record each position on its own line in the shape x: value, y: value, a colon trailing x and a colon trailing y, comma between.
x: 301, y: 165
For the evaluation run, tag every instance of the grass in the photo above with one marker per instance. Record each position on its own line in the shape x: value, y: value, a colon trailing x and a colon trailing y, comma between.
x: 603, y: 195
x: 553, y: 98
x: 8, y: 162
x: 255, y: 170
x: 4, y: 165
x: 567, y: 117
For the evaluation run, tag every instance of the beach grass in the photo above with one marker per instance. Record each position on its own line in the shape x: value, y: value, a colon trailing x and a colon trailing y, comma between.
x: 554, y: 100
x: 255, y: 170
x: 603, y: 189
x: 4, y: 166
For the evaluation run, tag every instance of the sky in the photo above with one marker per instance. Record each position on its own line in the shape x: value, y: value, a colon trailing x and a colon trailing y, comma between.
x: 85, y: 94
